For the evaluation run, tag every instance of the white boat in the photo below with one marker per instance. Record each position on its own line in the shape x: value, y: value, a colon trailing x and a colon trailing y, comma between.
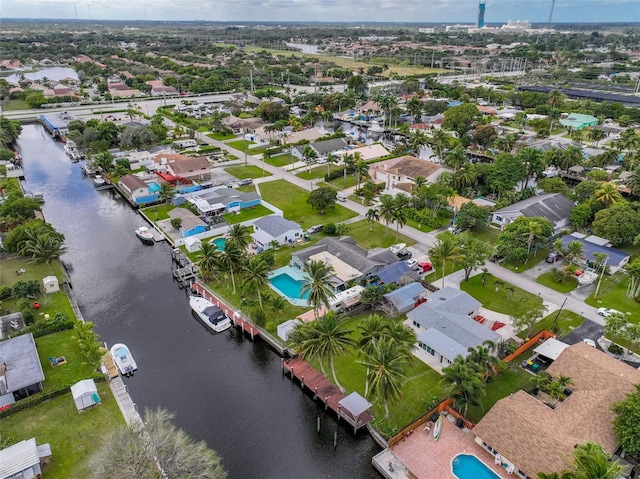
x: 123, y: 359
x: 71, y: 149
x: 145, y: 235
x: 437, y: 428
x: 397, y: 247
x: 210, y: 314
x: 99, y: 181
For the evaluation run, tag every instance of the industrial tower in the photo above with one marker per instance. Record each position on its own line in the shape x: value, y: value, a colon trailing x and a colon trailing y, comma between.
x: 481, y: 8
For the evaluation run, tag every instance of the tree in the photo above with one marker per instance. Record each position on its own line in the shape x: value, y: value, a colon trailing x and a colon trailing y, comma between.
x: 322, y: 199
x: 372, y: 216
x: 619, y: 223
x: 417, y: 141
x: 19, y: 209
x: 475, y: 253
x: 461, y: 118
x: 527, y: 320
x: 446, y: 250
x: 596, y: 136
x: 575, y: 252
x: 471, y: 215
x: 386, y: 209
x: 386, y: 372
x: 357, y: 84
x: 207, y: 260
x: 138, y: 452
x: 485, y: 135
x: 507, y: 142
x: 456, y: 158
x: 230, y: 260
x: 581, y: 216
x: 399, y: 218
x: 533, y: 161
x: 255, y: 276
x: 166, y: 192
x: 554, y: 185
x: 608, y: 194
x: 317, y: 285
x: 240, y: 235
x: 371, y: 295
x: 463, y: 383
x: 626, y: 424
x: 372, y: 329
x: 555, y: 98
x: 483, y: 357
x: 361, y: 169
x: 614, y: 325
x: 43, y: 247
x: 516, y: 240
x: 441, y: 141
x: 590, y: 461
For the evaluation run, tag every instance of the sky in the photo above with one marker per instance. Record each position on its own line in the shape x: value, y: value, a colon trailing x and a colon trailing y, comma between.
x: 450, y: 11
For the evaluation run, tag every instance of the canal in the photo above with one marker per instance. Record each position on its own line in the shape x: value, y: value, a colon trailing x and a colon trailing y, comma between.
x: 223, y: 388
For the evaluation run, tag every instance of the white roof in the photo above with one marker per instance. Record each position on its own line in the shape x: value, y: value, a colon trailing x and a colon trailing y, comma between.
x: 17, y: 458
x: 355, y: 404
x: 49, y: 279
x: 551, y: 348
x: 86, y: 386
x: 341, y: 270
x: 191, y: 240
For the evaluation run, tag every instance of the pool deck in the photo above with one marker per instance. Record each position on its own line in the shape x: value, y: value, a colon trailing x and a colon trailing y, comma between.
x: 427, y: 459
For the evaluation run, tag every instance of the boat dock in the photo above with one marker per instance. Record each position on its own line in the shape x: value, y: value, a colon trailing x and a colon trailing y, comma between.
x: 324, y: 390
x: 110, y: 369
x: 183, y: 270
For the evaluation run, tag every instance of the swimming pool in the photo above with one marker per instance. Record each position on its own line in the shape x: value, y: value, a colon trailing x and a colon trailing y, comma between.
x: 153, y: 187
x: 466, y: 466
x: 219, y: 243
x: 288, y: 282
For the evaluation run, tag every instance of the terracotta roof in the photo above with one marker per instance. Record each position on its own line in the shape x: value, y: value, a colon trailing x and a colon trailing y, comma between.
x: 132, y: 182
x: 413, y: 167
x: 524, y: 430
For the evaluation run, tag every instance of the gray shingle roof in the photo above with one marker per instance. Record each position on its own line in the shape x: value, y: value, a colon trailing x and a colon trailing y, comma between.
x: 226, y: 195
x: 553, y: 206
x: 276, y: 225
x: 21, y: 358
x: 393, y: 272
x: 451, y: 300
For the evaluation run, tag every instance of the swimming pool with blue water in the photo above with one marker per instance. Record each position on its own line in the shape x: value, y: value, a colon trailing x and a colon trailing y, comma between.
x: 466, y: 466
x: 289, y: 286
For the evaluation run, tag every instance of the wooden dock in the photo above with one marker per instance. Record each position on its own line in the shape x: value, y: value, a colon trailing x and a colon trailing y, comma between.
x: 112, y: 371
x: 125, y: 403
x: 324, y: 390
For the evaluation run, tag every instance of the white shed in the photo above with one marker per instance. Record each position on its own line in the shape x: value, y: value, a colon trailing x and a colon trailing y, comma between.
x: 85, y: 394
x: 192, y: 244
x: 285, y: 328
x: 51, y: 284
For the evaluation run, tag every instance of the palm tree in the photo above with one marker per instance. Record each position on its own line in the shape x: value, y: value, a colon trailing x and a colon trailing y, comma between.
x: 399, y: 218
x: 303, y: 340
x: 417, y: 141
x: 317, y: 285
x: 575, y: 252
x: 441, y: 141
x: 372, y: 329
x: 255, y: 276
x: 534, y: 230
x: 456, y: 158
x: 414, y: 107
x: 554, y: 99
x: 207, y: 261
x: 533, y: 160
x: 331, y: 160
x: 372, y: 216
x: 348, y: 163
x: 386, y: 209
x: 446, y: 250
x: 42, y: 247
x: 463, y: 383
x: 166, y: 192
x: 507, y: 142
x: 308, y: 155
x: 240, y: 235
x: 386, y: 372
x: 614, y: 325
x: 403, y: 336
x: 230, y: 260
x: 596, y: 136
x: 607, y: 194
x: 482, y: 356
x: 590, y: 461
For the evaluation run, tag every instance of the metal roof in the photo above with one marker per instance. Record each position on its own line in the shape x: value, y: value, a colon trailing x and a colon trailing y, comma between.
x: 551, y: 348
x: 553, y: 206
x: 86, y: 386
x: 23, y: 365
x: 616, y: 256
x: 355, y: 404
x: 19, y: 457
x: 405, y: 297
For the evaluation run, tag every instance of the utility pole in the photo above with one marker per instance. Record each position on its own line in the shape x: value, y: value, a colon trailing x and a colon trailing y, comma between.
x: 604, y: 267
x: 555, y: 321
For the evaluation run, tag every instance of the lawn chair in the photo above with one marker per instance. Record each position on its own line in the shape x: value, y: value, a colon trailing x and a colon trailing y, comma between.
x: 53, y: 361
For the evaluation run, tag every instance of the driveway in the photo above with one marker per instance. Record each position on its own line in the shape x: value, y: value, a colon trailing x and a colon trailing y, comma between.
x: 588, y: 329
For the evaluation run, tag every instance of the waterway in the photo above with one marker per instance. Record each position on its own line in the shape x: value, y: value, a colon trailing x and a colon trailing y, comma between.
x: 223, y: 388
x: 52, y: 73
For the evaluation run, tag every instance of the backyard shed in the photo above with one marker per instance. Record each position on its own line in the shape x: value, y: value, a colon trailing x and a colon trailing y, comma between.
x: 285, y: 328
x: 50, y: 284
x: 192, y: 244
x: 85, y: 394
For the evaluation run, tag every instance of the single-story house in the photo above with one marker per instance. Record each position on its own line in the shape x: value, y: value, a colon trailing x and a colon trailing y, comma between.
x: 134, y: 187
x: 370, y: 152
x: 521, y: 423
x: 275, y: 228
x: 406, y: 169
x: 616, y: 258
x: 578, y: 121
x: 192, y: 169
x: 85, y: 394
x: 140, y: 159
x: 193, y: 244
x: 406, y: 298
x: 190, y: 223
x: 310, y: 134
x: 23, y: 460
x: 21, y: 373
x: 445, y: 327
x: 243, y: 125
x: 321, y: 148
x: 370, y: 107
x: 553, y: 206
x: 394, y: 272
x: 218, y: 201
x: 349, y: 261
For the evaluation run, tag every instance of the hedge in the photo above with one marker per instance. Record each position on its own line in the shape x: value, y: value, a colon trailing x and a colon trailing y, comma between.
x: 42, y: 328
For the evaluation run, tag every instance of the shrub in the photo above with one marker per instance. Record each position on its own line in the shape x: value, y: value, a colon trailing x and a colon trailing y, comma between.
x: 329, y: 228
x: 56, y: 324
x: 24, y: 289
x: 27, y: 311
x: 615, y: 349
x: 5, y: 293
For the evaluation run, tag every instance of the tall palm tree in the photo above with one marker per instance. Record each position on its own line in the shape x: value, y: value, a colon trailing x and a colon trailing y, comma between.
x: 255, y: 276
x: 230, y: 260
x: 348, y: 163
x: 463, y: 383
x: 399, y: 218
x: 207, y: 260
x: 317, y: 284
x: 481, y: 355
x: 441, y: 140
x: 386, y: 372
x: 596, y: 136
x: 240, y: 235
x: 534, y: 231
x: 590, y: 461
x: 414, y: 107
x: 372, y: 216
x: 372, y: 329
x: 575, y: 252
x: 456, y: 158
x: 554, y: 99
x: 303, y: 340
x: 614, y: 325
x: 403, y: 336
x: 533, y: 160
x: 42, y: 247
x: 386, y: 209
x: 309, y: 154
x: 446, y: 250
x: 607, y: 194
x: 362, y: 171
x: 417, y: 141
x: 331, y: 160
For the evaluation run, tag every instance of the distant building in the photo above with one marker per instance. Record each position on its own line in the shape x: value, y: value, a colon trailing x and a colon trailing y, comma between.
x: 57, y: 124
x: 616, y: 258
x: 482, y: 7
x: 321, y: 148
x: 404, y: 171
x: 578, y: 121
x: 218, y: 201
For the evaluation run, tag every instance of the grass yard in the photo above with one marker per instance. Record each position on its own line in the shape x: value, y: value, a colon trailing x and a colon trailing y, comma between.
x: 504, y: 300
x: 158, y: 212
x: 567, y: 322
x: 293, y: 202
x: 317, y: 172
x: 506, y: 383
x: 246, y: 189
x: 73, y: 436
x: 240, y: 144
x: 486, y: 233
x: 443, y: 220
x: 249, y: 171
x: 248, y: 214
x: 203, y: 129
x: 539, y: 255
x: 546, y: 279
x: 338, y: 183
x: 62, y: 344
x: 222, y: 136
x: 436, y: 273
x: 361, y: 232
x: 13, y: 105
x: 613, y: 294
x: 281, y: 160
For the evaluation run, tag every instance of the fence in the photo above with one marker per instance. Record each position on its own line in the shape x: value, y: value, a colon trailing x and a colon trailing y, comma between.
x: 544, y: 334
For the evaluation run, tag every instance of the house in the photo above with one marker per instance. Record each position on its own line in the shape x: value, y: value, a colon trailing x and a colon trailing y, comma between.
x: 445, y: 327
x: 23, y: 460
x: 396, y: 272
x: 553, y: 206
x: 517, y: 425
x: 616, y: 259
x: 370, y: 152
x: 321, y: 148
x: 405, y: 170
x: 405, y: 298
x: 140, y: 159
x: 159, y: 89
x: 190, y: 223
x: 349, y: 261
x: 370, y: 108
x: 578, y: 121
x: 135, y: 188
x: 85, y: 394
x: 244, y: 125
x: 21, y: 373
x: 218, y: 201
x: 191, y: 169
x: 291, y: 137
x: 275, y: 228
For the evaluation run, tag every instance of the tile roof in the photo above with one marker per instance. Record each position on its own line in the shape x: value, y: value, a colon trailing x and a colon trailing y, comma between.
x: 133, y: 182
x: 413, y: 167
x: 524, y: 430
x: 189, y: 220
x: 190, y: 165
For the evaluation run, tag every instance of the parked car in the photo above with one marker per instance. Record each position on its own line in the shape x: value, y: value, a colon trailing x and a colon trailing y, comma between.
x: 411, y: 262
x: 589, y: 342
x: 245, y: 182
x: 423, y: 267
x: 314, y: 229
x: 404, y: 254
x: 553, y: 257
x: 607, y: 311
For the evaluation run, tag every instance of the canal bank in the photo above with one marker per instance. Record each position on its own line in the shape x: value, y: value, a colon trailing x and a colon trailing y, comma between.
x: 223, y: 388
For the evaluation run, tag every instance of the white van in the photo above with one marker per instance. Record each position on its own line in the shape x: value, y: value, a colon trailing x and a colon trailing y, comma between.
x: 341, y: 197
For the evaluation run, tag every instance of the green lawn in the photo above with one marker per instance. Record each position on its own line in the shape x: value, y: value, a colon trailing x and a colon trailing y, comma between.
x: 539, y: 255
x: 13, y: 105
x: 570, y: 283
x: 62, y: 344
x: 249, y: 171
x: 240, y: 144
x: 504, y: 300
x: 339, y: 182
x: 486, y: 234
x: 436, y: 273
x: 221, y: 136
x: 203, y: 129
x: 512, y: 380
x: 361, y: 232
x: 248, y: 214
x: 246, y: 189
x: 293, y: 202
x: 73, y: 436
x: 317, y: 172
x: 158, y: 212
x: 613, y: 294
x: 281, y: 160
x: 443, y: 220
x: 567, y: 322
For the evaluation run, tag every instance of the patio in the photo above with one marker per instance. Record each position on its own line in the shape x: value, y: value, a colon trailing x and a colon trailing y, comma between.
x: 427, y: 459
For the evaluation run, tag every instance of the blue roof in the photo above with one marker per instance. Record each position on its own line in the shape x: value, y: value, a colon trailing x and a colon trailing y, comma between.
x: 615, y: 255
x: 393, y: 272
x: 405, y: 297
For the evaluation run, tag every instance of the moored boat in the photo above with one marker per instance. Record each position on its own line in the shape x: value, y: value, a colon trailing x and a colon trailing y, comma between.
x: 99, y: 181
x: 210, y: 314
x: 145, y: 235
x: 124, y: 360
